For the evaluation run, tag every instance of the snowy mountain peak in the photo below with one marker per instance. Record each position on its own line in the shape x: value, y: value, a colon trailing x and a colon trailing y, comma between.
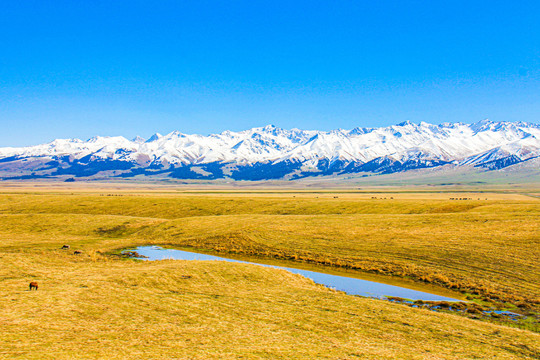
x: 154, y: 137
x: 273, y: 152
x: 405, y: 123
x: 137, y: 139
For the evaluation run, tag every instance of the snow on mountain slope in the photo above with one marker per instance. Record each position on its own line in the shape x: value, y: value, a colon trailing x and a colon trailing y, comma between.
x: 267, y: 152
x: 98, y: 146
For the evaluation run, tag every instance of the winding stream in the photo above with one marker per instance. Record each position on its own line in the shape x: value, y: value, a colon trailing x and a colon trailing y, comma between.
x: 349, y: 285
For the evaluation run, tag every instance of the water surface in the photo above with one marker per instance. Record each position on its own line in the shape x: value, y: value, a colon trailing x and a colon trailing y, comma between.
x: 349, y: 285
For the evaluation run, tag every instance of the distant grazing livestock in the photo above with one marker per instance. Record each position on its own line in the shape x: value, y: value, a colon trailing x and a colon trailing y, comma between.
x: 65, y: 247
x: 33, y: 285
x: 77, y: 252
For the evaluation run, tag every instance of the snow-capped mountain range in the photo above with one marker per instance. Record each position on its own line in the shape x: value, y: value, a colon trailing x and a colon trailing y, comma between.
x: 272, y: 153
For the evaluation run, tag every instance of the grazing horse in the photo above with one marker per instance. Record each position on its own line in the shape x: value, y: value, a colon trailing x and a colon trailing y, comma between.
x: 33, y: 285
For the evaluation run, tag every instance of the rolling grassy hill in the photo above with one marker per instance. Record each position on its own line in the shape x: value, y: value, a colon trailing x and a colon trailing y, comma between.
x: 98, y: 304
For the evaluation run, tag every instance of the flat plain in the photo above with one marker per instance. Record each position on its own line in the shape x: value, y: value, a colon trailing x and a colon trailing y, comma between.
x: 482, y: 246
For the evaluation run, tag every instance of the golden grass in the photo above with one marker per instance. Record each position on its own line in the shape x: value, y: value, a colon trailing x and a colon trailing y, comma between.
x: 91, y: 307
x: 99, y: 306
x: 488, y: 248
x: 431, y: 248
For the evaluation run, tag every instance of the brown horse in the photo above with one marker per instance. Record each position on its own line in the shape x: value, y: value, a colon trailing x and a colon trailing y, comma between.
x: 33, y: 285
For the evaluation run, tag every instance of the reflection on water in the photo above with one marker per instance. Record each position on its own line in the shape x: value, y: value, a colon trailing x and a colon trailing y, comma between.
x: 349, y: 285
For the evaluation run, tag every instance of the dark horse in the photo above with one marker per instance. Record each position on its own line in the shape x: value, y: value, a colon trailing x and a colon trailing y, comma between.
x: 33, y: 285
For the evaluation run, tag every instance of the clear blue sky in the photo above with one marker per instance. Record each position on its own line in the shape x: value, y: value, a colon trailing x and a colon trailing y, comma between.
x: 84, y: 68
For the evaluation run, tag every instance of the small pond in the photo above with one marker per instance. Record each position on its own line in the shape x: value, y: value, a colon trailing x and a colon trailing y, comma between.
x: 349, y: 285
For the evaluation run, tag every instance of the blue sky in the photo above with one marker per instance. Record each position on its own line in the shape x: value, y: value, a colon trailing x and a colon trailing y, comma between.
x: 85, y: 68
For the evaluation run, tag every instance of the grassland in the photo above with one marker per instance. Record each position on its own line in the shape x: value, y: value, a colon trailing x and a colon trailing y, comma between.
x: 97, y: 305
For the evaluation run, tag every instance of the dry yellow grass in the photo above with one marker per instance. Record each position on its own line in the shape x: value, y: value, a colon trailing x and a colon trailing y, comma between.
x: 99, y: 306
x: 489, y: 248
x: 91, y: 307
